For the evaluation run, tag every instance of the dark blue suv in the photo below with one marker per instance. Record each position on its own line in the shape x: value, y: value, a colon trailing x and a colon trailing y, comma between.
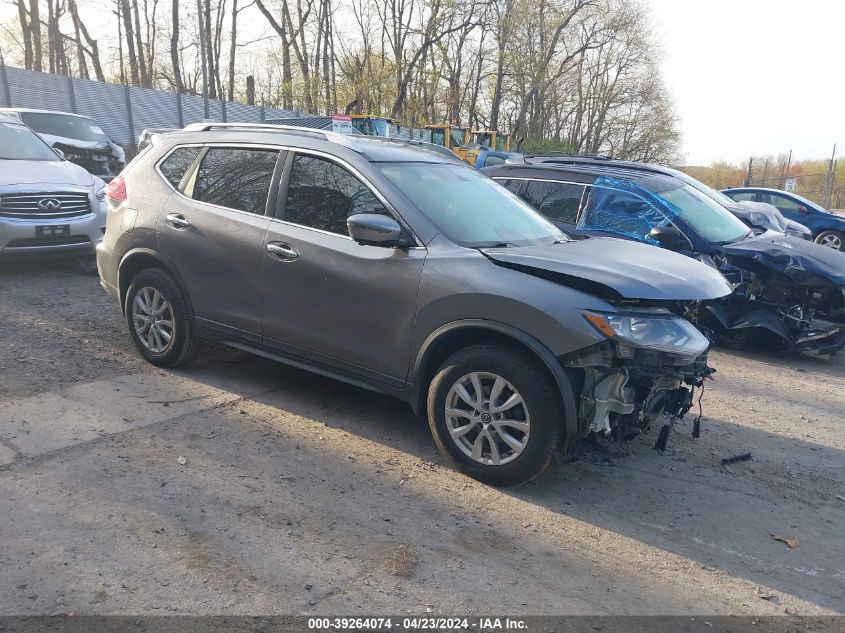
x: 828, y: 228
x: 788, y: 293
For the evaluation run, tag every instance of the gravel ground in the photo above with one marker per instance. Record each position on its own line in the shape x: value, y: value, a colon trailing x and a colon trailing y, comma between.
x: 240, y: 486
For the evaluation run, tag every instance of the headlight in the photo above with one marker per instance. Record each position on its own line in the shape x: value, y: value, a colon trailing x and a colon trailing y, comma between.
x: 99, y: 189
x: 657, y: 332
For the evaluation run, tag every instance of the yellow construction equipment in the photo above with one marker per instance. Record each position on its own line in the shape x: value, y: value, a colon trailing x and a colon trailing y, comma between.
x: 494, y: 139
x: 452, y: 136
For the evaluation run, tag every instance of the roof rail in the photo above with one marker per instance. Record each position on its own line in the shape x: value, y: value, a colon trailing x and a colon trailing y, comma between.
x: 558, y: 154
x: 335, y: 137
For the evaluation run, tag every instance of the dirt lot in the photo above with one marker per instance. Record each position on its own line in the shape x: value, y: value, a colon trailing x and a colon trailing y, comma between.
x: 302, y: 495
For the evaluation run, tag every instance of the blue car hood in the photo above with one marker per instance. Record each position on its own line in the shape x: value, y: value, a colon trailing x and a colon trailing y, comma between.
x: 617, y: 269
x: 805, y: 263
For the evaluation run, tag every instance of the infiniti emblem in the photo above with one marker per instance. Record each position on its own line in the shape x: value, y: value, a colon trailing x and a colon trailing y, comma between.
x: 49, y: 204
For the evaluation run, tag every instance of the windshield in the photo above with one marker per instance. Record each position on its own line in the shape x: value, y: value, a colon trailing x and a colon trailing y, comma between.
x: 381, y: 128
x: 716, y: 195
x: 457, y: 136
x: 713, y: 222
x: 18, y: 142
x: 66, y: 125
x: 468, y: 207
x: 482, y: 138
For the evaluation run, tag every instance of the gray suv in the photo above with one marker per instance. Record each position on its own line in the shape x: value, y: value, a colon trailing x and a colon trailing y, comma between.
x: 397, y: 269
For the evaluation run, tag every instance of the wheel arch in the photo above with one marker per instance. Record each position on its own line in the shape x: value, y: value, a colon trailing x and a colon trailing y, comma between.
x: 140, y: 259
x: 451, y: 337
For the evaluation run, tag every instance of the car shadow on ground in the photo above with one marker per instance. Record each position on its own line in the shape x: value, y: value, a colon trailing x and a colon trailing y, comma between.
x: 683, y: 501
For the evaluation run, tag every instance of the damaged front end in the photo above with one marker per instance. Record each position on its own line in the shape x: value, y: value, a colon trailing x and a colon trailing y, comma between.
x: 645, y: 372
x: 787, y: 293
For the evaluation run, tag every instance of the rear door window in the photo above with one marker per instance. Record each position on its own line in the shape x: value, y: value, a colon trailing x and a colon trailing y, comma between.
x: 559, y: 201
x: 236, y: 178
x: 741, y: 196
x: 174, y: 167
x: 786, y: 205
x: 322, y: 195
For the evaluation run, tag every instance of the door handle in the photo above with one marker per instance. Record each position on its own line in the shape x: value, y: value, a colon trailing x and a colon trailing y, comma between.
x: 282, y: 251
x: 177, y: 221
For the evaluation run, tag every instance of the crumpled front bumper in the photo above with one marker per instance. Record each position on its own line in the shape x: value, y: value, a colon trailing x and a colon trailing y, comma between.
x: 621, y: 397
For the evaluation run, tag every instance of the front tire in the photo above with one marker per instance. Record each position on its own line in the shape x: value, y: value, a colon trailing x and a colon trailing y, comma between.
x: 496, y: 414
x: 831, y: 239
x: 160, y: 320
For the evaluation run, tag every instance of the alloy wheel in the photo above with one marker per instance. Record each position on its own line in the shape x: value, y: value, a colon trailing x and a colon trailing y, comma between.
x: 831, y: 241
x: 152, y: 317
x: 487, y: 418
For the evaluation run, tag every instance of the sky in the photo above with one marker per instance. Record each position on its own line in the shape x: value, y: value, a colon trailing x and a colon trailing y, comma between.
x: 748, y: 77
x: 755, y: 77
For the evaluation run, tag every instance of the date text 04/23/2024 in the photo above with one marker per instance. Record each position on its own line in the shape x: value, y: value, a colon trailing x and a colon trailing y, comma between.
x: 416, y: 624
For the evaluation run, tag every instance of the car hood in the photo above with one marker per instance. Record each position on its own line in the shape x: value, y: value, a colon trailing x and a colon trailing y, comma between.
x: 804, y: 262
x: 51, y: 173
x: 617, y: 269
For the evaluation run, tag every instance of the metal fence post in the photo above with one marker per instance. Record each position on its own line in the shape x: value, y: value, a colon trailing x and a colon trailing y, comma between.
x: 7, y: 93
x: 129, y: 113
x: 223, y: 109
x: 179, y: 109
x: 262, y: 113
x: 71, y: 94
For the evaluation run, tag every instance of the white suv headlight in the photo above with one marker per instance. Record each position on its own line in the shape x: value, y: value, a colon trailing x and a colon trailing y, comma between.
x: 658, y: 332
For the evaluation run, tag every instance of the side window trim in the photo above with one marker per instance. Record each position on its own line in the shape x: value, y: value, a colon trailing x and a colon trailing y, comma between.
x: 186, y: 185
x: 282, y: 188
x: 281, y: 205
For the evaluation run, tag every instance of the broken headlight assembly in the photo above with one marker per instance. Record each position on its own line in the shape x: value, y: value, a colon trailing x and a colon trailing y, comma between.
x: 659, y: 331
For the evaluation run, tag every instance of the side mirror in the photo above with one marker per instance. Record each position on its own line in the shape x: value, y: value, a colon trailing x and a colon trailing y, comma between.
x: 372, y: 229
x: 668, y: 237
x: 60, y: 153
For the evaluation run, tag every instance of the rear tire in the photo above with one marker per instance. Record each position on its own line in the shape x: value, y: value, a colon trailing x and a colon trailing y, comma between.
x: 509, y: 434
x: 831, y: 239
x: 160, y: 321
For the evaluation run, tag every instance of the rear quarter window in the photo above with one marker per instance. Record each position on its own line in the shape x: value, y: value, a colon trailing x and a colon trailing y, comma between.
x: 174, y: 167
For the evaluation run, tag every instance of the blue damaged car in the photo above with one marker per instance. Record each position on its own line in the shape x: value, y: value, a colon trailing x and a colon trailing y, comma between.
x: 788, y: 292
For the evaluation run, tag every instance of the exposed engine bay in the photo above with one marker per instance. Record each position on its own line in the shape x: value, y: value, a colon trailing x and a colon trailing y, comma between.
x: 781, y: 296
x: 99, y: 161
x: 621, y: 392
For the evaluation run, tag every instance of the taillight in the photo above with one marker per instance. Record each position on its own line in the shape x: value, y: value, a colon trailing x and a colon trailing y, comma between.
x: 116, y: 190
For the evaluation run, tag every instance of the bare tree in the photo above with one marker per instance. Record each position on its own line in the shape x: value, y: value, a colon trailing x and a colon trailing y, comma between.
x: 35, y: 26
x: 175, y: 62
x: 26, y: 32
x: 128, y: 31
x: 93, y: 50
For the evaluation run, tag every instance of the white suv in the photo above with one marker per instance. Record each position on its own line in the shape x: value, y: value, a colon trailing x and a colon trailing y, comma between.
x: 47, y: 204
